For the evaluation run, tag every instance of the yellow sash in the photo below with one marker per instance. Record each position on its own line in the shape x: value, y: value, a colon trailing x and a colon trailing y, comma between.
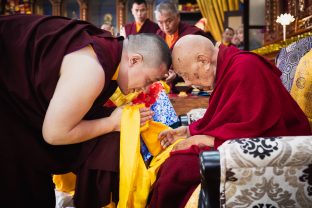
x: 65, y: 182
x: 135, y: 179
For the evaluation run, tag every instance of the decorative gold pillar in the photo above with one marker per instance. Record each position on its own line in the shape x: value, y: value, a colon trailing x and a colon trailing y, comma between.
x: 83, y: 6
x: 150, y: 9
x: 56, y: 7
x: 120, y: 14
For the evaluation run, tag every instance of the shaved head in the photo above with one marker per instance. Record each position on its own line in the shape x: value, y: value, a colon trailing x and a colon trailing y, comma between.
x: 191, y: 45
x: 153, y: 48
x: 194, y: 58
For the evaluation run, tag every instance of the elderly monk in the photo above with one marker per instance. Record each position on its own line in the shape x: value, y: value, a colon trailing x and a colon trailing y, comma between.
x: 141, y: 23
x: 171, y: 29
x: 248, y: 100
x: 55, y: 75
x: 169, y: 22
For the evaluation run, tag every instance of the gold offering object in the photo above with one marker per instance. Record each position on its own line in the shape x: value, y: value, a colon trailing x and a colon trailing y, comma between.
x: 182, y: 88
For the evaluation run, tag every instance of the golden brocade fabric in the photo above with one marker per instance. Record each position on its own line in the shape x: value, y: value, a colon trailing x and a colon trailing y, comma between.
x: 135, y: 179
x: 301, y: 89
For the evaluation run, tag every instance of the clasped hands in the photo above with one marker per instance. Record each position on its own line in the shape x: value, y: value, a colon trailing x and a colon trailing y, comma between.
x: 168, y: 137
x: 145, y: 115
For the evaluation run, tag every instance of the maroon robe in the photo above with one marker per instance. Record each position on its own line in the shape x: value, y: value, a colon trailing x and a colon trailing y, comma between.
x: 183, y: 29
x: 147, y: 27
x: 248, y: 100
x: 31, y: 52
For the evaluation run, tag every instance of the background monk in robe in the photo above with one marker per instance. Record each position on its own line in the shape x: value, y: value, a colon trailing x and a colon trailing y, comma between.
x: 141, y: 23
x: 248, y: 100
x: 171, y: 30
x: 55, y: 75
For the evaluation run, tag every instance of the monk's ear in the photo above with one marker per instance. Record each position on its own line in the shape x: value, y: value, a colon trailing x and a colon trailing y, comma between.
x: 135, y: 59
x: 203, y: 60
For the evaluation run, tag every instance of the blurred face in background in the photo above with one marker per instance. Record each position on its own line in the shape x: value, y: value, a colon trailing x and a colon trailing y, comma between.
x: 235, y: 40
x: 139, y: 12
x: 168, y: 22
x: 227, y: 35
x: 240, y: 34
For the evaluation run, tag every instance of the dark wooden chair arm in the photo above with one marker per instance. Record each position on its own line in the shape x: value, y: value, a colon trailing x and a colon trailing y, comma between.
x: 209, y: 196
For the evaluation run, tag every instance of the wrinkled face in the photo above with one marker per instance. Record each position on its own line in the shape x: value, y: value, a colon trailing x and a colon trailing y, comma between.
x: 135, y: 76
x: 194, y: 72
x: 168, y: 22
x: 227, y: 35
x: 139, y: 12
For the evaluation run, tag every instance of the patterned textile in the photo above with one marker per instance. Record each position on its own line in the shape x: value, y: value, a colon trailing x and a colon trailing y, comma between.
x: 301, y: 90
x: 289, y: 57
x: 164, y: 111
x: 266, y: 172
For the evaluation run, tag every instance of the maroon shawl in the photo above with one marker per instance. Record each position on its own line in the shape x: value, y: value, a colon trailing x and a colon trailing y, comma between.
x: 147, y: 27
x: 31, y: 52
x: 183, y: 29
x: 249, y: 100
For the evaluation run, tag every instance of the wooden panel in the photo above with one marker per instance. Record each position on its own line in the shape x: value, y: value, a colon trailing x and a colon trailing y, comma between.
x: 182, y: 105
x: 300, y: 9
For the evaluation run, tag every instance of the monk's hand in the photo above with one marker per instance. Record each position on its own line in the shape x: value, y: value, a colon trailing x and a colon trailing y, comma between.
x: 168, y: 137
x: 170, y: 76
x: 145, y: 115
x: 198, y: 140
x: 116, y: 118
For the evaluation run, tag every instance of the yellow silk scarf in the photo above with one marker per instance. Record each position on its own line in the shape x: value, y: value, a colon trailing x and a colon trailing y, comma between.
x: 135, y: 179
x: 66, y: 182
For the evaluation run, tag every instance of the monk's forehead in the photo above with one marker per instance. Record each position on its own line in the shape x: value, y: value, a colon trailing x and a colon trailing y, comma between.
x: 180, y: 64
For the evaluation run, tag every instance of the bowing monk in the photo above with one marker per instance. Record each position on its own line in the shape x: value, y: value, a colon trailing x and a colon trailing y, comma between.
x: 141, y: 23
x: 55, y: 75
x: 248, y: 100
